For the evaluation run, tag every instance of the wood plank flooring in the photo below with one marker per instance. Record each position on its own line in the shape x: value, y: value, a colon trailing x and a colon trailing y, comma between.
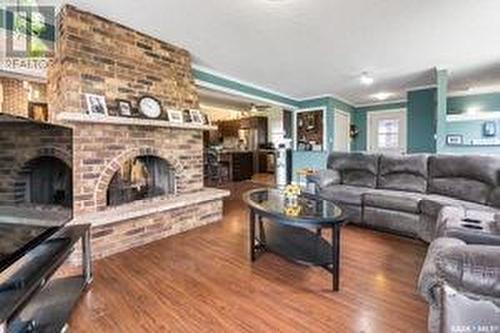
x: 202, y: 281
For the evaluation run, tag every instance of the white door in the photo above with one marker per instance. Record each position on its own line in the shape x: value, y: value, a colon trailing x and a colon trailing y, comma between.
x: 387, y: 131
x: 342, y: 141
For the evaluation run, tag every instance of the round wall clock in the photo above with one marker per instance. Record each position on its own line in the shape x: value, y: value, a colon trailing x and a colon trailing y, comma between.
x: 150, y: 107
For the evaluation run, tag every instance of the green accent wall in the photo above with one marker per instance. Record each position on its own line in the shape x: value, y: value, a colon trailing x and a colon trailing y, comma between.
x: 471, y: 130
x: 441, y: 109
x: 359, y: 118
x: 421, y: 122
x: 485, y: 102
x: 242, y: 88
x: 317, y: 160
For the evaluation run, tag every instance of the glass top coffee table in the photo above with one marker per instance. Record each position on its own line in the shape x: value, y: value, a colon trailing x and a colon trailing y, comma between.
x: 293, y: 230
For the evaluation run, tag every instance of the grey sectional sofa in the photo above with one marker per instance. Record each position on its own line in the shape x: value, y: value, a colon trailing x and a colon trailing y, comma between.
x: 404, y: 194
x: 427, y: 197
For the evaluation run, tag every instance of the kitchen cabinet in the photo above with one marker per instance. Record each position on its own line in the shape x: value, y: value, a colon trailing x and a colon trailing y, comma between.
x: 240, y: 164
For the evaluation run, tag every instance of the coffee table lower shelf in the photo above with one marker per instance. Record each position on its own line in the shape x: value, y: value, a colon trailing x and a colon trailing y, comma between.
x: 297, y: 244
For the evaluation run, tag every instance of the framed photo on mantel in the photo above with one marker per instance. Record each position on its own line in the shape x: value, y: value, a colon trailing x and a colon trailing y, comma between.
x: 124, y: 107
x: 175, y: 116
x: 96, y: 105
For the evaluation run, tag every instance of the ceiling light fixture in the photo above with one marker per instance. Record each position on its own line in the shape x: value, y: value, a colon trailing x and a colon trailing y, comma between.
x: 473, y: 110
x: 366, y: 79
x: 382, y: 96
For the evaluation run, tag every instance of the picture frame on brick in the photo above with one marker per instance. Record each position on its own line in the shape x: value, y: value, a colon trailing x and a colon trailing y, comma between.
x: 196, y: 117
x: 175, y: 116
x: 206, y: 119
x: 124, y: 107
x: 186, y: 116
x: 96, y: 105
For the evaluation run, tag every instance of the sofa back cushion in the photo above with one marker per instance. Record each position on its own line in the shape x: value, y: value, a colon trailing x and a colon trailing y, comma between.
x: 467, y: 177
x: 356, y: 169
x: 403, y: 173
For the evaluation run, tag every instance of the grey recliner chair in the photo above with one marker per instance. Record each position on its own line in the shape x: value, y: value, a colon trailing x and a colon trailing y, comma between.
x: 461, y: 282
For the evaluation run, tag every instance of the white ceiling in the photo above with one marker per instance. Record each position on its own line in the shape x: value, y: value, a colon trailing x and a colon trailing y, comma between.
x: 305, y: 48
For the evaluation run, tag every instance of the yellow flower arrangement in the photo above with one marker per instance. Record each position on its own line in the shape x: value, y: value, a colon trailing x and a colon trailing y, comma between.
x: 292, y: 211
x: 291, y: 190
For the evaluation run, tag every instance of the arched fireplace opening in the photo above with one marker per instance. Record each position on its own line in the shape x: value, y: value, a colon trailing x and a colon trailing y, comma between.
x: 45, y: 180
x: 140, y: 178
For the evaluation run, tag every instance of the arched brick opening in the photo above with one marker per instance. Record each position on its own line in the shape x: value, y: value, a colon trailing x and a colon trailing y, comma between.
x: 100, y: 192
x: 61, y: 160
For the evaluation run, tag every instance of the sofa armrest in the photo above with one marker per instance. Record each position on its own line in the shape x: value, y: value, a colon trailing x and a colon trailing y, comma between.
x: 430, y: 277
x: 472, y: 269
x: 324, y: 178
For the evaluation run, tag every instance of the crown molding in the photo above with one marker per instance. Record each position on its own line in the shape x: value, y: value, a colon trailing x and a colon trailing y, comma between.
x: 231, y: 78
x: 474, y: 93
x: 429, y: 86
x: 381, y: 103
x: 235, y: 92
x: 338, y: 98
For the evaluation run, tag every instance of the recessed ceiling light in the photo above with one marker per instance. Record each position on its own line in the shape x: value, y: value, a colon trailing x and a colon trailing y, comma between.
x: 473, y: 110
x: 366, y: 79
x: 382, y: 96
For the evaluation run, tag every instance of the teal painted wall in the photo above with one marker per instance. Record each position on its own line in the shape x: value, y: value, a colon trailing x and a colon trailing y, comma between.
x: 471, y: 130
x: 441, y: 109
x: 359, y: 116
x: 421, y: 111
x: 486, y: 102
x: 242, y: 88
x: 308, y: 159
x: 317, y: 160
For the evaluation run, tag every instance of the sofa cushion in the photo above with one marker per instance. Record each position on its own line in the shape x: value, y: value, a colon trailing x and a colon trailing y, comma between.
x: 346, y: 194
x: 356, y: 169
x: 465, y: 177
x: 394, y: 200
x: 432, y: 204
x: 403, y: 172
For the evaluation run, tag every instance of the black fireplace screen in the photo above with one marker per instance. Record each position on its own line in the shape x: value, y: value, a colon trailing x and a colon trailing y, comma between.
x: 141, y: 178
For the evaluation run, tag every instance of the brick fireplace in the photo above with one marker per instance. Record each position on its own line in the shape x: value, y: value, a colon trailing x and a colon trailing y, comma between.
x: 128, y: 208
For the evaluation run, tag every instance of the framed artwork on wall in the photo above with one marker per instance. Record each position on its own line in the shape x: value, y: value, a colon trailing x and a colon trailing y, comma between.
x: 196, y: 117
x: 124, y: 107
x: 175, y: 116
x: 38, y: 111
x: 489, y: 129
x: 96, y: 105
x: 454, y: 139
x: 186, y: 116
x: 206, y: 119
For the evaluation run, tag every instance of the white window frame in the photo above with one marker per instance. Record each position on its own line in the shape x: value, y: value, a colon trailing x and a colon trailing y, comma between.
x: 369, y: 115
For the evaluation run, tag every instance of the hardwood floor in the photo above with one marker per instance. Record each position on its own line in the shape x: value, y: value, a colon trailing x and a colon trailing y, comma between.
x: 202, y: 281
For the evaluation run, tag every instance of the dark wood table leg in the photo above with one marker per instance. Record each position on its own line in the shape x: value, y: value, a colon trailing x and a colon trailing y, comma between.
x: 262, y: 233
x: 251, y: 240
x: 336, y: 257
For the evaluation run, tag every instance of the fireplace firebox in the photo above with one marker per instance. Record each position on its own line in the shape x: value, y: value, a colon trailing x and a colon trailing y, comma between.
x: 139, y: 178
x: 45, y: 180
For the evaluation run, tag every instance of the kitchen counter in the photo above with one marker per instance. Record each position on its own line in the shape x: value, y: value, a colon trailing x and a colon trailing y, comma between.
x: 240, y: 163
